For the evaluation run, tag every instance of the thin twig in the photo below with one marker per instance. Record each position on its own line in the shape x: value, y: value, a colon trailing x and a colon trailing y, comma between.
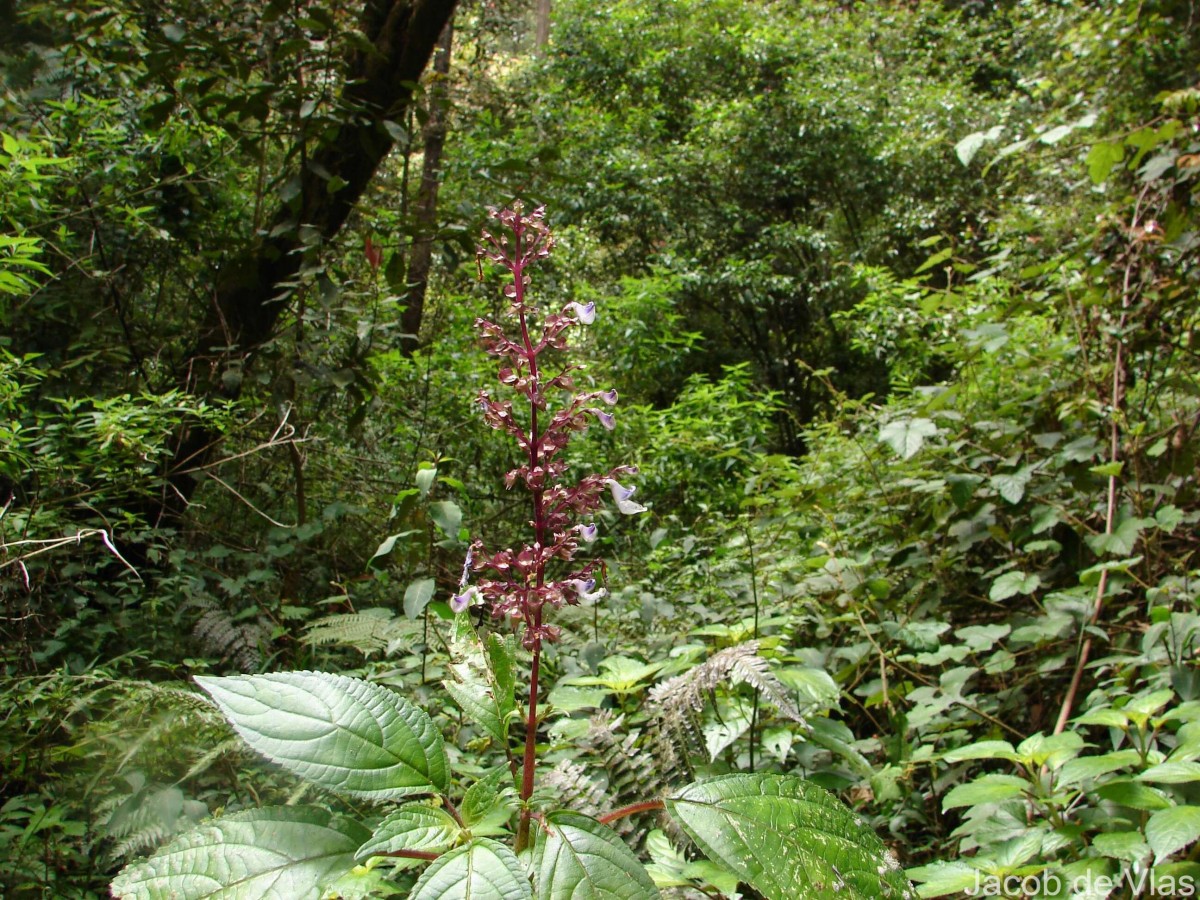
x: 242, y: 497
x: 48, y: 544
x: 411, y: 854
x: 1114, y: 451
x: 632, y: 810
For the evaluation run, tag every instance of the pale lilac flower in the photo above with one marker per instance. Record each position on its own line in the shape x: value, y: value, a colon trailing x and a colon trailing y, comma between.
x: 621, y: 495
x: 609, y: 397
x: 606, y: 419
x: 587, y: 590
x: 587, y: 533
x: 584, y: 312
x: 462, y: 602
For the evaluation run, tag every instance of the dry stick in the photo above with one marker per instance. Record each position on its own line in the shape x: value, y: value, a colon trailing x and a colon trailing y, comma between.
x: 246, y: 501
x: 1114, y: 451
x: 45, y: 545
x: 273, y: 441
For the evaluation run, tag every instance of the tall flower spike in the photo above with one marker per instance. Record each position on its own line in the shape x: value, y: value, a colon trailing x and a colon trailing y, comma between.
x: 521, y: 588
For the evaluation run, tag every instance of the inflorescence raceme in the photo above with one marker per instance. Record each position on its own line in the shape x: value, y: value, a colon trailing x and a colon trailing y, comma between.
x: 515, y: 583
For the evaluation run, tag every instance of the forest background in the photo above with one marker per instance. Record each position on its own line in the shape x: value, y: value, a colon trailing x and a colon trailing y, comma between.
x: 900, y: 300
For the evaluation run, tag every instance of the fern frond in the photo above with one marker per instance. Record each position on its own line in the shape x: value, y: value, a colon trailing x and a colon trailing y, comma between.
x: 673, y: 746
x: 367, y: 631
x: 756, y: 672
x: 220, y: 634
x: 569, y: 785
x: 148, y: 818
x: 678, y: 698
x: 140, y: 843
x: 227, y: 747
x: 130, y: 726
x: 634, y: 773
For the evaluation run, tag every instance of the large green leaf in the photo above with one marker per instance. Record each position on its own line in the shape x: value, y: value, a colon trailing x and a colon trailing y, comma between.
x: 577, y: 858
x: 414, y: 826
x: 1172, y: 829
x: 966, y: 149
x: 620, y: 674
x: 480, y: 870
x: 1172, y: 773
x: 489, y: 803
x: 341, y: 733
x: 833, y: 735
x: 981, y: 750
x: 788, y: 838
x: 447, y: 515
x: 1134, y: 795
x: 1012, y: 583
x: 1087, y: 767
x: 417, y: 596
x: 1122, y: 540
x: 735, y: 716
x: 1011, y: 485
x: 1102, y: 158
x: 291, y: 851
x: 1052, y: 750
x: 1128, y: 845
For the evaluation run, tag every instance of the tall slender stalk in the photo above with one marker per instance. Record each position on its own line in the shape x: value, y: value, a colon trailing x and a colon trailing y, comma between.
x: 520, y: 584
x: 1120, y: 376
x: 533, y: 611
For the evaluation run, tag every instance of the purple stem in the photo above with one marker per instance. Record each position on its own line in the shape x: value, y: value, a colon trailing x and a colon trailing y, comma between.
x: 533, y: 610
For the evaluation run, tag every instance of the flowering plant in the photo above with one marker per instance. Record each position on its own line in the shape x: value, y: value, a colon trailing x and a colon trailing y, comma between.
x: 782, y: 835
x: 518, y: 585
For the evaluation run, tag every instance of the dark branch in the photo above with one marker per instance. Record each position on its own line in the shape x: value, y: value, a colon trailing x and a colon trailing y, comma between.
x: 254, y: 287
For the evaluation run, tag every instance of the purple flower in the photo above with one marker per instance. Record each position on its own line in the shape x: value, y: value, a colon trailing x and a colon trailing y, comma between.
x: 462, y: 602
x: 606, y: 419
x: 621, y: 495
x: 587, y: 591
x: 587, y: 533
x: 609, y: 397
x: 585, y: 313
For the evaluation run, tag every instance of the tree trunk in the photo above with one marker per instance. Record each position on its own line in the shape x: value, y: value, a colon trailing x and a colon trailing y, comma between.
x: 543, y: 26
x: 253, y: 288
x: 421, y: 254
